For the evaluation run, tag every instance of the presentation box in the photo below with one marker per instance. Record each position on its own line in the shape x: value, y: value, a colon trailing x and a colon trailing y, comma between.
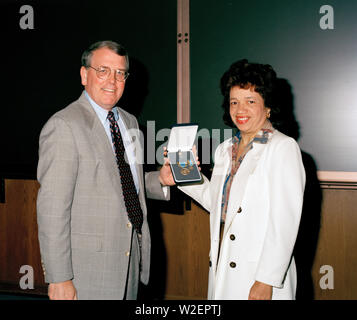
x: 179, y: 152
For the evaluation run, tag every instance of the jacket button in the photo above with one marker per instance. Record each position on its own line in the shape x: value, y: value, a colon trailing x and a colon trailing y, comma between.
x: 239, y: 210
x: 128, y: 225
x: 232, y: 265
x: 232, y: 237
x: 127, y: 253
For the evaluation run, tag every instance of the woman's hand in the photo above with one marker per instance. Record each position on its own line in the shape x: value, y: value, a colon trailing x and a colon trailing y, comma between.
x: 260, y: 291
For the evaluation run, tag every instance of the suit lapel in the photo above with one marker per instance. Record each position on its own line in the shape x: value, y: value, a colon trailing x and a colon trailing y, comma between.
x: 103, y: 147
x: 101, y: 143
x: 240, y: 182
x: 222, y: 165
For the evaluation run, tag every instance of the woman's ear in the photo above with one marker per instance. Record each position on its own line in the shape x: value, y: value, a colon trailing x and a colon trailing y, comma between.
x: 268, y: 112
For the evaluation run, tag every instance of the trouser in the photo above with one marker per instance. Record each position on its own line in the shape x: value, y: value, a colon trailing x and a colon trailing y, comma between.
x: 133, y: 277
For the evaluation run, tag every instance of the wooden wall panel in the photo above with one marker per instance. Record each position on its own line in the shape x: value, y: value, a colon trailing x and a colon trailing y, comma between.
x: 186, y: 240
x: 337, y: 245
x: 185, y: 245
x: 18, y: 236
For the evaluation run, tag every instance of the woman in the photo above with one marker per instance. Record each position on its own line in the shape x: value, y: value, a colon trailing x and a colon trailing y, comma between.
x: 255, y: 194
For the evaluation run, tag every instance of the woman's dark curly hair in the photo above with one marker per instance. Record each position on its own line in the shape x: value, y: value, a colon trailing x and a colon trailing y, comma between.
x: 261, y: 77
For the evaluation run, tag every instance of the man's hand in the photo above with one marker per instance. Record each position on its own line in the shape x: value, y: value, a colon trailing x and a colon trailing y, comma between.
x: 62, y: 291
x: 165, y: 177
x: 260, y: 291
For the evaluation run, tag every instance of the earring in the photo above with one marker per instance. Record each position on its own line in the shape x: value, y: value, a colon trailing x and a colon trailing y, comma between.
x: 268, y: 114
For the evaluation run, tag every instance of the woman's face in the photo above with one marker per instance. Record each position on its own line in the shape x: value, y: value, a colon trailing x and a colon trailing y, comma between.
x: 247, y: 110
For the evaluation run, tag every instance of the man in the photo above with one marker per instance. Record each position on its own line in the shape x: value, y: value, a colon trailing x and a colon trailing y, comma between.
x: 93, y: 231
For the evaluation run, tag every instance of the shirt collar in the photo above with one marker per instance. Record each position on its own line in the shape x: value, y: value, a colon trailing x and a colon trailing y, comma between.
x: 101, y: 113
x: 261, y: 137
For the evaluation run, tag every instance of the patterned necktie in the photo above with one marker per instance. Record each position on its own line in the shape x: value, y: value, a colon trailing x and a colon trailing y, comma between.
x: 131, y: 198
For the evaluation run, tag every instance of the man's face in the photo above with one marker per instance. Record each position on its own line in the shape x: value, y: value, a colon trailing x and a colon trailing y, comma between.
x: 106, y: 93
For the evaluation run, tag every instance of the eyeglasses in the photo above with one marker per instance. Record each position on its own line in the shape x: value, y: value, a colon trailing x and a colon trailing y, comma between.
x: 104, y: 72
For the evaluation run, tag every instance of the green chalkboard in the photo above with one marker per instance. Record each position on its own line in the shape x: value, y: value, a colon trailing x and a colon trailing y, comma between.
x: 316, y: 56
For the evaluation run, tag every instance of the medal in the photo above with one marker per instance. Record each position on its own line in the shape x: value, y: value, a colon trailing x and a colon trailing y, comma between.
x: 185, y: 171
x: 186, y: 167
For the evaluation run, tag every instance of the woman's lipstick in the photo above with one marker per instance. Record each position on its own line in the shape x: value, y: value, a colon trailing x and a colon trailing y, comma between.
x: 241, y: 120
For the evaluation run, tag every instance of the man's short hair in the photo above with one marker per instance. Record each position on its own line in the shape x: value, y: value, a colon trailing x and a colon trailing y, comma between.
x: 114, y: 46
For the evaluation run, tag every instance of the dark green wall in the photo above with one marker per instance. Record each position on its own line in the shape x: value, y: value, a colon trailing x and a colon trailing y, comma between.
x: 319, y: 66
x: 40, y: 67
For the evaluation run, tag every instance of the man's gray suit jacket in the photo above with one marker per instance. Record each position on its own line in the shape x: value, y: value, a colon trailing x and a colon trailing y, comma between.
x: 84, y: 230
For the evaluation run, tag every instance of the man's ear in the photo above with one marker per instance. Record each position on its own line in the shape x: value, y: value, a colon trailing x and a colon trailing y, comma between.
x: 83, y: 73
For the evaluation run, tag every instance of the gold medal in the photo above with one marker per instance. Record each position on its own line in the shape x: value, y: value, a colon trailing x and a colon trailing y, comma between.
x: 186, y: 167
x: 185, y: 171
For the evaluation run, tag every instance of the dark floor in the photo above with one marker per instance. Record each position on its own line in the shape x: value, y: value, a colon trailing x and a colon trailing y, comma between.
x: 14, y: 296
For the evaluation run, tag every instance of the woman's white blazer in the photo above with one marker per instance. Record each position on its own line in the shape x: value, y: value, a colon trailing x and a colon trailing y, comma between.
x: 262, y: 220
